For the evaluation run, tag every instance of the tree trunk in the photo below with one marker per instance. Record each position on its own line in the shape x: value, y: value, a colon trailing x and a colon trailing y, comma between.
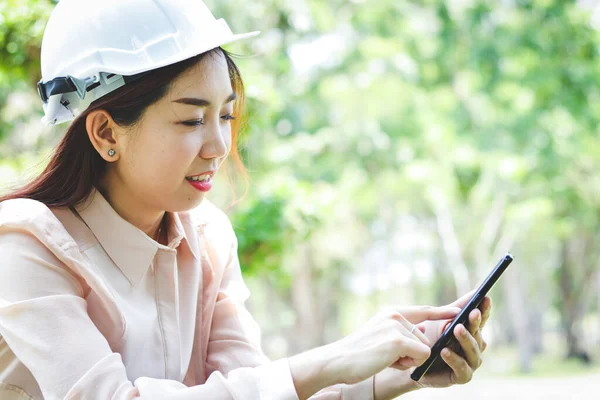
x: 572, y: 289
x: 303, y: 300
x: 535, y: 317
x: 444, y: 288
x: 450, y: 243
x: 513, y: 293
x: 598, y: 308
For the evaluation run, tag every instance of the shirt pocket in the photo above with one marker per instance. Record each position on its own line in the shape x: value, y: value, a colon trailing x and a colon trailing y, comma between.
x: 12, y: 392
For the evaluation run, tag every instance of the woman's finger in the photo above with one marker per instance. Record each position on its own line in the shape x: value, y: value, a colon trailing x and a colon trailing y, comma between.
x: 412, y: 346
x: 414, y: 349
x: 404, y: 363
x: 428, y: 313
x: 416, y: 332
x: 475, y: 327
x: 462, y: 371
x: 469, y: 346
x: 412, y: 331
x: 486, y: 310
x: 463, y: 300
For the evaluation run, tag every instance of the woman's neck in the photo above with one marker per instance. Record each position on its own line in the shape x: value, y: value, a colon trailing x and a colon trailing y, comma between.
x: 147, y: 221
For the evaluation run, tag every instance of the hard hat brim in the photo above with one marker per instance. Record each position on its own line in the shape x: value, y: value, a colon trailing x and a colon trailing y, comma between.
x: 241, y: 36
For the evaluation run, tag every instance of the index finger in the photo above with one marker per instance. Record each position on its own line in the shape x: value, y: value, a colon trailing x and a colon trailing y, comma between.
x: 419, y: 314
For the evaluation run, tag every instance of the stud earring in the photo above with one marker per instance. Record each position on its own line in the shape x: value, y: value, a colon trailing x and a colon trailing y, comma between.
x: 111, y: 152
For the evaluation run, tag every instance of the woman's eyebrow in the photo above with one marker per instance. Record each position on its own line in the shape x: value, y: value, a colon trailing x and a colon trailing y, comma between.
x: 193, y: 101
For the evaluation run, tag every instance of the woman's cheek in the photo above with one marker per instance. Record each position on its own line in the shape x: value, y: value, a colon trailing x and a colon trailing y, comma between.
x: 183, y: 156
x: 186, y: 150
x: 228, y: 139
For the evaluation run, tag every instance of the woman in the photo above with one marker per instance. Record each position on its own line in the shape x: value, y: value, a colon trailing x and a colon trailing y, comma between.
x: 118, y: 279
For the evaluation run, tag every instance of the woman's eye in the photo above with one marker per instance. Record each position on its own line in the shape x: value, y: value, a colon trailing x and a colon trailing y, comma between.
x: 195, y: 122
x: 198, y: 122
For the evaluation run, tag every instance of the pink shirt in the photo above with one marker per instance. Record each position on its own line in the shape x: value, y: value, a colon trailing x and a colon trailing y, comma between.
x: 93, y: 308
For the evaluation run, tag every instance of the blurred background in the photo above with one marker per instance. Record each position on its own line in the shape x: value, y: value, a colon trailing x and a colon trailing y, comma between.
x: 395, y: 151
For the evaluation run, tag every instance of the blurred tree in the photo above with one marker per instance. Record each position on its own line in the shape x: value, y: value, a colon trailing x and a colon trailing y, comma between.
x: 481, y: 111
x: 21, y: 28
x: 396, y: 149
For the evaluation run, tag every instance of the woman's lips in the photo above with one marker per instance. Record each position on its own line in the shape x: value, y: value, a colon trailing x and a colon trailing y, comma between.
x: 203, y: 186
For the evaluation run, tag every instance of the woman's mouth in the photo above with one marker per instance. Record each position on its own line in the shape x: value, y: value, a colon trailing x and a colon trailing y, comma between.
x: 201, y: 182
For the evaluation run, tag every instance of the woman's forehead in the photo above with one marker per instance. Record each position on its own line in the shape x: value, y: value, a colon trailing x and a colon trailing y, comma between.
x: 210, y: 76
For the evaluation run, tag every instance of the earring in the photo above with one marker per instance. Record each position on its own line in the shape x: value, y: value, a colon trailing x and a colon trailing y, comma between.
x: 111, y: 152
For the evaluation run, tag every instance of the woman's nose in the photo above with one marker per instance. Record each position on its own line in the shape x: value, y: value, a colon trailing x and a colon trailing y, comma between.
x: 215, y: 144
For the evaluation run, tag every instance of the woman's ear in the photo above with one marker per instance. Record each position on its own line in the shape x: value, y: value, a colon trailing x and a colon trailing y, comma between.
x: 102, y: 133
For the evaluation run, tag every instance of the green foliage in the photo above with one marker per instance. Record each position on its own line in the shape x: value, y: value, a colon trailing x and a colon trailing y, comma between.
x: 259, y: 227
x: 266, y: 225
x: 21, y: 28
x: 483, y: 113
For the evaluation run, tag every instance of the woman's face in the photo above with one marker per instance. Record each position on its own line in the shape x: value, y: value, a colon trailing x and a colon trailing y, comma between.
x: 183, y: 137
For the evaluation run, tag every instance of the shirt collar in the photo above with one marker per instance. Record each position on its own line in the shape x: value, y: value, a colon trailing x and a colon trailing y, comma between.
x: 128, y: 246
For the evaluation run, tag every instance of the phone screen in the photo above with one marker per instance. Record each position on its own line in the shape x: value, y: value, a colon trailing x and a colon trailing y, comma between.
x: 447, y: 339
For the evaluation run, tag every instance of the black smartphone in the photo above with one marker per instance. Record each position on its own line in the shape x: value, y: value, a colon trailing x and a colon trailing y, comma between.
x: 447, y: 339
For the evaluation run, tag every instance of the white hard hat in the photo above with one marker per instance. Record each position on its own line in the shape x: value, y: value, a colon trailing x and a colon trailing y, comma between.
x: 92, y: 47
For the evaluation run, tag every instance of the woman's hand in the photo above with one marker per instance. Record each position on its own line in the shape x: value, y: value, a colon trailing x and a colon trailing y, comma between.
x: 390, y: 339
x: 458, y: 369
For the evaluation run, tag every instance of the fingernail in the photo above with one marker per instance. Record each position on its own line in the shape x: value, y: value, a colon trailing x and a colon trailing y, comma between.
x: 446, y: 352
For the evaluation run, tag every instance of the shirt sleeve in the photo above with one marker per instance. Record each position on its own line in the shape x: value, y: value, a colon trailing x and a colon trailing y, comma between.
x: 235, y: 342
x: 44, y: 320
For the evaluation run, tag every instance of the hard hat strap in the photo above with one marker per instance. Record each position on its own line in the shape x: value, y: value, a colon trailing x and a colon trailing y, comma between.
x: 69, y: 84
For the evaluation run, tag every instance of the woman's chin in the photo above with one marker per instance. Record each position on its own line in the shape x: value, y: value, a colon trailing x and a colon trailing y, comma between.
x: 188, y: 203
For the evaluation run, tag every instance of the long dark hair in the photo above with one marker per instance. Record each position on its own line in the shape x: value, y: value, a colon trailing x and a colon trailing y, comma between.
x: 75, y: 166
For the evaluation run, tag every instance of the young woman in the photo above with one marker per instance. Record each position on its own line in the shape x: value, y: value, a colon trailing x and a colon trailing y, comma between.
x: 118, y: 279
